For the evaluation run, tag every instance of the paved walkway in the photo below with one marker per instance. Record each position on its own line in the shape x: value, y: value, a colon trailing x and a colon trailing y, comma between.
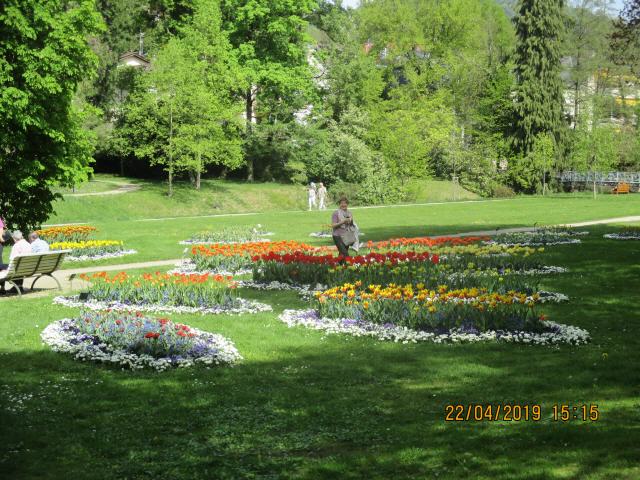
x: 70, y: 281
x: 245, y: 214
x: 123, y: 188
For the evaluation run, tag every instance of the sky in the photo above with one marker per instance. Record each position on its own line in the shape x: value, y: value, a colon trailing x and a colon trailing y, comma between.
x: 354, y: 3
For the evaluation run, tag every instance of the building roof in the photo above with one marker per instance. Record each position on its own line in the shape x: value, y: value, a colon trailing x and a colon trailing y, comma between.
x: 134, y: 58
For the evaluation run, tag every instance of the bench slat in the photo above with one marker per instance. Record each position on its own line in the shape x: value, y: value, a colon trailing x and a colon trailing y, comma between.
x: 34, y: 264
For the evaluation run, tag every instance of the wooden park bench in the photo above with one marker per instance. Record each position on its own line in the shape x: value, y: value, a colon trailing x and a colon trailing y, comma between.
x: 621, y: 188
x: 36, y: 265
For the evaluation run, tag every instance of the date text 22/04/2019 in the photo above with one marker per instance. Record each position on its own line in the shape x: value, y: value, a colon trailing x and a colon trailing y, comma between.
x: 519, y: 413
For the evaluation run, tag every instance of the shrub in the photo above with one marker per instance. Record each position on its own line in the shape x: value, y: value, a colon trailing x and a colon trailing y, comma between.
x: 502, y: 191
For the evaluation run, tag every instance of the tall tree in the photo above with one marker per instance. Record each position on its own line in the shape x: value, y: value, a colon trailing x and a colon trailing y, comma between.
x: 625, y: 40
x: 587, y: 48
x: 182, y: 115
x: 44, y: 55
x: 270, y: 37
x: 539, y: 97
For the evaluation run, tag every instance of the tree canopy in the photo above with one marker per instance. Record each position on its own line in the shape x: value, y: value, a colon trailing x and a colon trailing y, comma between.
x: 44, y: 55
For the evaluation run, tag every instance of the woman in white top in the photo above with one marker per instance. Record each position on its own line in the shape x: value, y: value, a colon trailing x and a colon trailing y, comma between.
x: 312, y: 196
x: 20, y: 245
x: 322, y: 195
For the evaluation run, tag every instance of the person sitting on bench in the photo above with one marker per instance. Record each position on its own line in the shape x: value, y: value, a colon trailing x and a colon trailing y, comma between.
x: 37, y: 244
x: 20, y: 247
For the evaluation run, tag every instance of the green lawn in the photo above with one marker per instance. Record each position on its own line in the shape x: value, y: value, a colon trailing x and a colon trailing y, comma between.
x: 158, y: 239
x: 215, y: 197
x: 304, y: 405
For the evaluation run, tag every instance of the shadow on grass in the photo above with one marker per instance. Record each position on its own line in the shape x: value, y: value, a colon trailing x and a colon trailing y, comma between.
x: 305, y: 406
x: 357, y: 411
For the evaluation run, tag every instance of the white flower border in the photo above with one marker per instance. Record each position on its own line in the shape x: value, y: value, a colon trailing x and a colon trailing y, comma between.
x: 187, y: 267
x: 305, y: 291
x: 245, y: 307
x: 620, y: 236
x: 567, y: 241
x: 193, y: 242
x: 545, y: 270
x: 566, y: 334
x: 102, y: 256
x: 59, y: 340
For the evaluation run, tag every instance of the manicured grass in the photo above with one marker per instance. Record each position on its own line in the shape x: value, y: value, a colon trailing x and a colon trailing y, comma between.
x: 158, y: 239
x: 303, y: 405
x: 215, y: 197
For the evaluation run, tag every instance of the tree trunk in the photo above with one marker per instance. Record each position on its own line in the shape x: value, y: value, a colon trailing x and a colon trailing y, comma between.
x: 576, y: 103
x: 249, y: 114
x: 199, y: 171
x: 171, y: 150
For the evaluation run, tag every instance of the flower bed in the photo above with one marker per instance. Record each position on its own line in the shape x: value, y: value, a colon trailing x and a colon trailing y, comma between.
x: 161, y: 292
x: 309, y: 291
x: 162, y: 289
x: 235, y: 257
x: 422, y: 243
x: 136, y: 341
x: 420, y: 308
x: 70, y: 233
x: 92, y: 249
x: 76, y: 239
x: 494, y: 272
x: 551, y: 333
x: 229, y: 235
x: 304, y: 268
x: 629, y: 234
x: 538, y: 238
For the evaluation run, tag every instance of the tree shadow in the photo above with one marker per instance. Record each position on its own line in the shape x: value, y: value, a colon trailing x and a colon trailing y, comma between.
x: 304, y: 405
x: 357, y: 411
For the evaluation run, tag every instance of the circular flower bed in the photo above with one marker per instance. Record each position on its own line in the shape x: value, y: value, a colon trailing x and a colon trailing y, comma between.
x: 551, y: 334
x: 135, y: 341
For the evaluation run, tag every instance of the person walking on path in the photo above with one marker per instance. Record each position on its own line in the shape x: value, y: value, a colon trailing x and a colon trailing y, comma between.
x: 322, y: 195
x: 344, y: 231
x: 311, y: 192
